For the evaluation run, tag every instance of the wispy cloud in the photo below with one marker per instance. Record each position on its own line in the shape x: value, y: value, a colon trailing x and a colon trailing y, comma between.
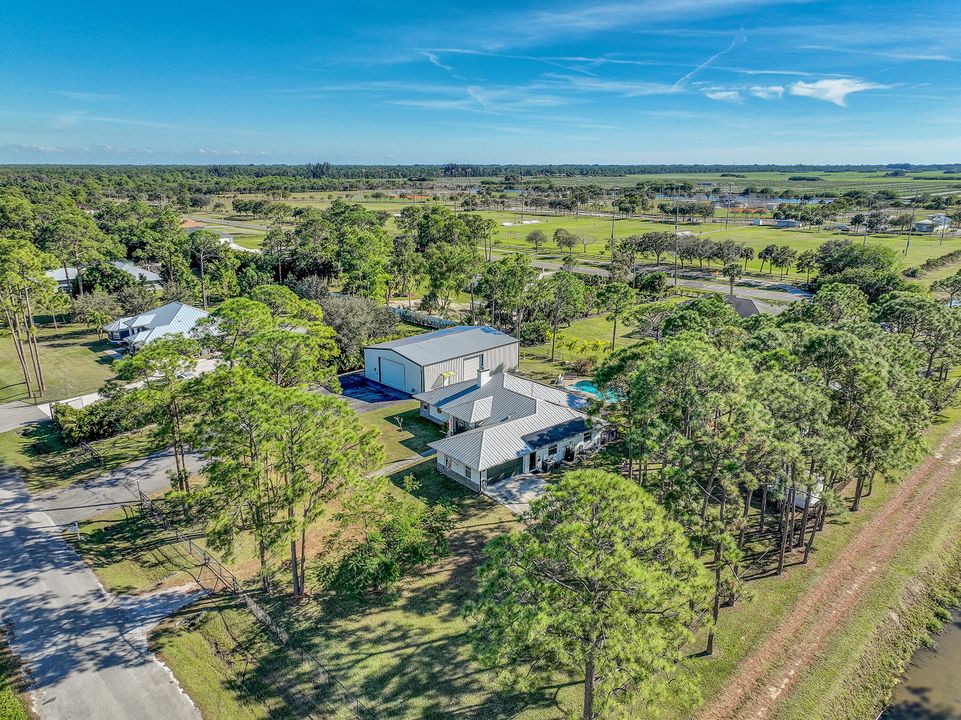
x: 885, y: 53
x: 724, y: 95
x: 625, y: 88
x: 834, y: 90
x: 734, y: 43
x: 436, y: 61
x: 88, y: 97
x: 767, y: 92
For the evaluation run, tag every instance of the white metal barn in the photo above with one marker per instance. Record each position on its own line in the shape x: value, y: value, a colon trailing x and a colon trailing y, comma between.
x: 443, y: 357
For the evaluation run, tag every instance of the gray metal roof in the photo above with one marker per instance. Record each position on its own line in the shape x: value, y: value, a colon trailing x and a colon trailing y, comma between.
x: 447, y: 344
x: 174, y: 317
x: 515, y: 415
x: 747, y: 307
x: 499, y: 384
x: 492, y: 445
x: 136, y: 271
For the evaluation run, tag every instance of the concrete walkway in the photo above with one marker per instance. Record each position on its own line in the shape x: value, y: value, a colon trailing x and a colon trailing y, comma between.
x: 85, y: 651
x: 17, y: 413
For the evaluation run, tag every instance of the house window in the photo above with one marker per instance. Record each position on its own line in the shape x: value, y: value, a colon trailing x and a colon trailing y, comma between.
x: 587, y: 436
x: 552, y: 450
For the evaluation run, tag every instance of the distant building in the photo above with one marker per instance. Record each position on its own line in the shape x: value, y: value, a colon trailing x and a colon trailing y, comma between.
x: 65, y: 277
x: 787, y: 223
x: 134, y: 332
x: 443, y: 357
x: 930, y: 225
x: 502, y: 425
x: 748, y: 307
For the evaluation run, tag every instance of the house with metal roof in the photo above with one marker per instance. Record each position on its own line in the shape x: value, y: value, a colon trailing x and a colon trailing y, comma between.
x: 65, y: 277
x: 436, y: 359
x: 174, y: 318
x: 502, y: 425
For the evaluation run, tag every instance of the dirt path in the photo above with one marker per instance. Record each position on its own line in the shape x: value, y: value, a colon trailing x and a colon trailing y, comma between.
x: 774, y: 668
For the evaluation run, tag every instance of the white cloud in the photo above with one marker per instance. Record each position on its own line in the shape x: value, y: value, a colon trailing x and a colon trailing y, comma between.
x: 767, y: 92
x: 834, y: 91
x: 738, y: 39
x: 724, y: 95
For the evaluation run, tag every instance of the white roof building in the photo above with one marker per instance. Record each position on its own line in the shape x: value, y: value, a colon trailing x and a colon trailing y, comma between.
x: 503, y: 425
x: 174, y: 318
x: 443, y: 357
x: 65, y: 276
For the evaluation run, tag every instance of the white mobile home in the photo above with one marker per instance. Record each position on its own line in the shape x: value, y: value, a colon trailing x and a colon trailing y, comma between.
x: 443, y: 357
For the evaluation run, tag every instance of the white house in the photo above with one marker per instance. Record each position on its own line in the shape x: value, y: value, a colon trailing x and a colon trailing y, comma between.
x: 931, y: 225
x: 502, y: 425
x: 66, y: 276
x: 171, y: 319
x: 443, y: 357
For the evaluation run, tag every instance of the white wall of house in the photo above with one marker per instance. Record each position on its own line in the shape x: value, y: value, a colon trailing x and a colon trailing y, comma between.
x: 499, y: 359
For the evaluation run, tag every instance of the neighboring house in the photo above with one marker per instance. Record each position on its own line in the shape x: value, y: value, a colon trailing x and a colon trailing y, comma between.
x: 171, y: 319
x: 138, y: 273
x: 931, y: 225
x: 502, y: 425
x: 65, y: 277
x: 748, y: 307
x: 443, y: 357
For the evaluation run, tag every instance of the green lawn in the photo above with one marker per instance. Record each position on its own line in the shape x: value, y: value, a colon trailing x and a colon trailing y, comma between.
x: 73, y: 361
x: 13, y: 686
x: 402, y: 430
x: 46, y: 464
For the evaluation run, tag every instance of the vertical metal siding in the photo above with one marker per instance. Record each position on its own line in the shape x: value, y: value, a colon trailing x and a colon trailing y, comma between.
x: 500, y: 359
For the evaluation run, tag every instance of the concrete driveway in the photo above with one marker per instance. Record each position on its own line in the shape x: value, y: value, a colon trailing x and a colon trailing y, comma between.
x: 517, y: 493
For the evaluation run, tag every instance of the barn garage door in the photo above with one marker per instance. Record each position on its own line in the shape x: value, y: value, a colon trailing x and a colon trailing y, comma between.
x: 392, y: 373
x: 471, y: 366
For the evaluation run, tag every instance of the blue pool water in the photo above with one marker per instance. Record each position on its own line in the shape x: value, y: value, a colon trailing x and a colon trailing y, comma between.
x: 586, y: 386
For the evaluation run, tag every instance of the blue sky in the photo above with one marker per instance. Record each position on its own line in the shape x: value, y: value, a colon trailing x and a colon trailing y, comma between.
x: 728, y: 81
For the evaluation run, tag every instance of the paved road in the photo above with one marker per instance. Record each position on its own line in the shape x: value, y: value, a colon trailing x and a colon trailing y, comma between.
x: 85, y: 651
x: 82, y: 502
x: 759, y: 289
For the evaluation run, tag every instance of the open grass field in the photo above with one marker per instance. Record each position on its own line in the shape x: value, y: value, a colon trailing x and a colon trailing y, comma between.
x: 73, y: 360
x: 596, y: 229
x: 45, y: 464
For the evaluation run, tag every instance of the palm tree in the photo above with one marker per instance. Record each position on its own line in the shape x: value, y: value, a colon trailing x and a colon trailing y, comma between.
x: 732, y: 271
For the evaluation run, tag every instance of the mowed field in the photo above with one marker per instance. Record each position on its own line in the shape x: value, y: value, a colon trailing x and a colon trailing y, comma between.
x: 513, y: 227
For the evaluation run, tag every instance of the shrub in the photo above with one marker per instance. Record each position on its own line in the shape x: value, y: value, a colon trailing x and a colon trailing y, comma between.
x: 413, y: 535
x: 536, y: 332
x: 583, y: 366
x: 118, y: 412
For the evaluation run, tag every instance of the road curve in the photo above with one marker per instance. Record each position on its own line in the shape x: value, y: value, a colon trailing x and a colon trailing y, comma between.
x: 86, y: 655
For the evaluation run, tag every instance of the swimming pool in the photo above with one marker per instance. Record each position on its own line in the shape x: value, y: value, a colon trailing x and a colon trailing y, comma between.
x: 586, y: 386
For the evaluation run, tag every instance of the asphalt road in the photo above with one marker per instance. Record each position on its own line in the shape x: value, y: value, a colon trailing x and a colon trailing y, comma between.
x: 85, y: 651
x: 751, y: 288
